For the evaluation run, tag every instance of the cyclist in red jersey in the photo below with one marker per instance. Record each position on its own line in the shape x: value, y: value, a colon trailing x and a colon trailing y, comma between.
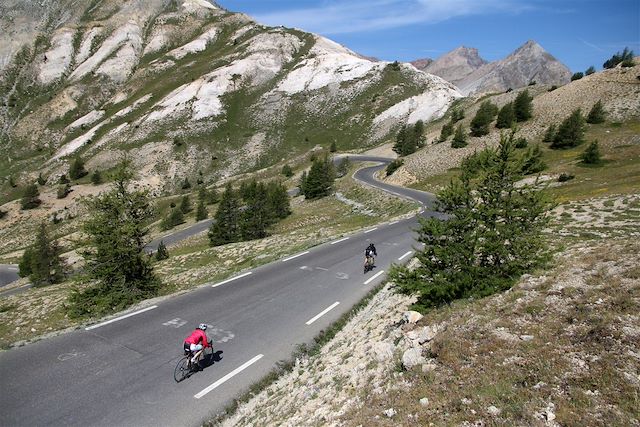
x: 196, y: 342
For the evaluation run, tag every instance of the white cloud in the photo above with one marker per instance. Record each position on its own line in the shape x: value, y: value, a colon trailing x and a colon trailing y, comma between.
x: 339, y: 17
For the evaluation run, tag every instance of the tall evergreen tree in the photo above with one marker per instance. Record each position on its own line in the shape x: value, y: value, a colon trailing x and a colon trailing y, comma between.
x: 590, y: 71
x: 303, y: 182
x: 480, y: 123
x: 186, y: 184
x: 226, y: 225
x: 319, y: 182
x: 162, y: 252
x: 506, y: 117
x: 201, y: 211
x: 343, y: 167
x: 185, y: 204
x: 446, y: 132
x: 493, y: 234
x: 41, y: 179
x: 96, y: 178
x: 117, y: 266
x: 257, y: 215
x: 278, y: 200
x: 550, y: 133
x: 42, y: 261
x: 570, y: 132
x: 287, y: 171
x: 523, y: 106
x: 532, y: 161
x: 77, y: 170
x: 400, y: 146
x: 460, y: 138
x: 596, y: 114
x: 591, y: 156
x: 30, y: 197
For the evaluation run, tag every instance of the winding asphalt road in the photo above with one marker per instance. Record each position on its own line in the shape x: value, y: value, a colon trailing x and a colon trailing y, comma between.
x: 121, y: 373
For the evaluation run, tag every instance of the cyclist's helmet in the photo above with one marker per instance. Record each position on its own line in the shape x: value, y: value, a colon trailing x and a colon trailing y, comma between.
x: 202, y: 326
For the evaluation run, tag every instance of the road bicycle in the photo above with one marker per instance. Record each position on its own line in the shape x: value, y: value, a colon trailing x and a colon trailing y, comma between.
x: 368, y: 264
x: 185, y: 368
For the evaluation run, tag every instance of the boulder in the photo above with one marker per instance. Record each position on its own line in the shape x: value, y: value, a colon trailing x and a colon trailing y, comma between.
x: 383, y: 351
x: 424, y: 401
x: 412, y: 357
x: 390, y: 412
x: 411, y: 317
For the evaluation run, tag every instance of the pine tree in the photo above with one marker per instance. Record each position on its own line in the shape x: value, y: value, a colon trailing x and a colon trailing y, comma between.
x: 116, y: 264
x: 460, y: 138
x: 77, y: 170
x: 173, y: 218
x: 162, y: 252
x: 333, y: 147
x: 617, y: 58
x: 30, y: 198
x: 597, y: 113
x: 532, y: 161
x: 570, y: 132
x: 591, y: 156
x: 577, y: 76
x: 185, y: 204
x: 302, y: 185
x: 63, y: 179
x: 226, y: 226
x: 278, y: 200
x: 480, y: 123
x: 590, y: 71
x: 201, y: 211
x: 41, y: 179
x: 493, y: 234
x: 63, y: 191
x: 46, y: 266
x: 287, y: 171
x: 257, y: 216
x: 401, y: 141
x: 457, y: 114
x: 506, y: 117
x: 446, y: 132
x: 418, y: 134
x: 523, y: 106
x: 96, y: 178
x: 319, y: 182
x: 186, y: 184
x: 550, y: 134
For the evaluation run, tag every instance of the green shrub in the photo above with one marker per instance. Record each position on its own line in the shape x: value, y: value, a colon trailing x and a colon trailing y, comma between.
x: 591, y: 156
x: 577, y: 76
x: 30, y: 198
x: 393, y: 166
x: 564, y: 177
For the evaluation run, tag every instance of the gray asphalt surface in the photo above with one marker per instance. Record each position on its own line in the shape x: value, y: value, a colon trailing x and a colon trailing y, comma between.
x: 122, y: 373
x: 8, y: 274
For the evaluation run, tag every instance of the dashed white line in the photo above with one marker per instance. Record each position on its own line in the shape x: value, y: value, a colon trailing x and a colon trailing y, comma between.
x: 394, y: 222
x: 322, y: 313
x: 370, y: 230
x: 295, y: 256
x: 232, y: 279
x: 405, y: 255
x: 375, y: 276
x: 341, y: 240
x: 120, y: 318
x: 228, y: 376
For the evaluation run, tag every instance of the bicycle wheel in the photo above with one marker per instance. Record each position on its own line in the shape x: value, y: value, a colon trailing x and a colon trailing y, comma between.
x: 182, y: 370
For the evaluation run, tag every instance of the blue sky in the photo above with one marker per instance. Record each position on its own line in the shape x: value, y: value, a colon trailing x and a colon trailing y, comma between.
x: 578, y: 33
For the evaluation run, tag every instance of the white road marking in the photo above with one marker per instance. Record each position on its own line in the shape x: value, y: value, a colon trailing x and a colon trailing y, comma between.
x: 322, y: 269
x: 295, y: 256
x: 120, y: 318
x: 375, y: 276
x: 370, y: 230
x: 394, y: 222
x: 12, y: 268
x: 228, y: 376
x: 232, y: 279
x: 341, y: 240
x: 405, y: 255
x: 322, y: 313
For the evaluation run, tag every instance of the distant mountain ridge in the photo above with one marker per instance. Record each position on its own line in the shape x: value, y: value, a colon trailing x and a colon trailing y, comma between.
x: 473, y: 75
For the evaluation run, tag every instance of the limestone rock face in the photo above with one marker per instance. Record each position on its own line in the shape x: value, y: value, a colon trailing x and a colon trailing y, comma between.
x: 455, y: 65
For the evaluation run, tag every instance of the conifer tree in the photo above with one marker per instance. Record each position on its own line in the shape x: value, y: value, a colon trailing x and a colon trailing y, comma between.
x: 63, y: 179
x: 550, y: 133
x: 446, y: 132
x: 77, y: 170
x: 226, y: 226
x: 333, y: 147
x: 460, y: 138
x: 185, y: 204
x: 162, y: 252
x: 319, y: 182
x: 590, y: 71
x: 596, y: 114
x: 523, y: 106
x: 257, y: 216
x: 343, y: 167
x: 30, y: 197
x: 186, y: 184
x: 116, y: 264
x: 96, y: 178
x: 570, y: 132
x: 287, y: 171
x: 201, y: 211
x: 493, y: 234
x: 401, y: 141
x: 173, y: 218
x: 591, y: 156
x: 41, y: 179
x: 506, y: 117
x: 480, y: 123
x: 532, y: 161
x: 41, y: 261
x: 278, y: 200
x: 303, y: 182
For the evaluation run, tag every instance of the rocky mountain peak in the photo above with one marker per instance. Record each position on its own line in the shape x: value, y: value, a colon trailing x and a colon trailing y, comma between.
x: 453, y: 66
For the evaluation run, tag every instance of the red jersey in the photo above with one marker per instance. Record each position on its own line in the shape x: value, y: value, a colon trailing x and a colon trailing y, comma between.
x: 198, y: 336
